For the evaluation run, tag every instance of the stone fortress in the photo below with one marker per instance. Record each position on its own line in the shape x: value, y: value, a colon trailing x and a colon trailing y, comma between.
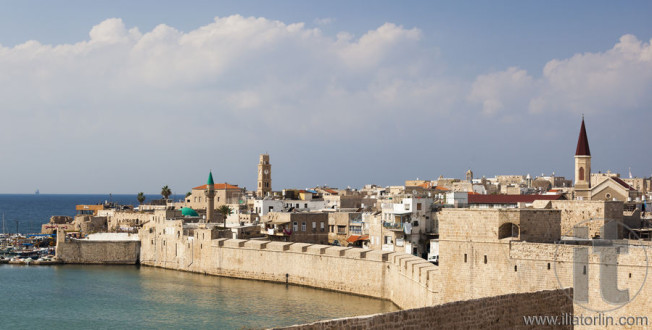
x: 550, y: 253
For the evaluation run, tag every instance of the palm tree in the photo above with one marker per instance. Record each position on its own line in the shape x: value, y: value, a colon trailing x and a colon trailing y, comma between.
x: 141, y: 197
x: 225, y: 210
x: 166, y: 192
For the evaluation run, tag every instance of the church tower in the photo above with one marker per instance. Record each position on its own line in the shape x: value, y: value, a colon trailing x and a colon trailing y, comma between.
x: 264, y: 176
x: 469, y: 175
x: 583, y: 165
x: 210, y: 198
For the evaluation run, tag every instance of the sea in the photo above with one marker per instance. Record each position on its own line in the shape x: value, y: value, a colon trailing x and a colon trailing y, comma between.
x: 139, y: 297
x: 26, y: 213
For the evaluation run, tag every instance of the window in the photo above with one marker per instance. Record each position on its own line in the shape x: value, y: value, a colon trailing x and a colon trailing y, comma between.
x: 322, y: 226
x: 331, y: 228
x: 515, y: 268
x: 295, y: 226
x: 418, y: 206
x: 507, y: 229
x: 271, y: 208
x: 388, y: 239
x: 314, y: 226
x: 581, y: 173
x: 341, y: 230
x: 303, y: 226
x: 485, y: 259
x: 465, y: 257
x: 305, y: 205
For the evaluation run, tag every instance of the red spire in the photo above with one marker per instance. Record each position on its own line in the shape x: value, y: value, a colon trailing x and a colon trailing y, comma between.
x: 583, y: 143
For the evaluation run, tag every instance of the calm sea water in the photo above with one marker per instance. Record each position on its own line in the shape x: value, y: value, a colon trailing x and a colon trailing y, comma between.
x: 128, y: 297
x: 29, y: 212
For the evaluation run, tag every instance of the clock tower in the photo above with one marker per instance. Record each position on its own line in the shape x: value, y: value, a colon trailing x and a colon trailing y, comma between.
x: 264, y: 176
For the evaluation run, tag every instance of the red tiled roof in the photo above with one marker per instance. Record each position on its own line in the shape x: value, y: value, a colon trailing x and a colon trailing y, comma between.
x: 331, y: 191
x: 622, y: 183
x: 218, y: 186
x: 509, y: 199
x: 582, y: 143
x: 441, y: 188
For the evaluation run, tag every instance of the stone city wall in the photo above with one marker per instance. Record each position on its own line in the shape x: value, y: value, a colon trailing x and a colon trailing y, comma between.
x: 406, y: 280
x: 502, y: 312
x: 81, y: 251
x: 574, y: 212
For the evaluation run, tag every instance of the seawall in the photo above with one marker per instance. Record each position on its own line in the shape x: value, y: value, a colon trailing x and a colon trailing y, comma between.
x: 406, y: 280
x: 79, y: 251
x: 501, y: 312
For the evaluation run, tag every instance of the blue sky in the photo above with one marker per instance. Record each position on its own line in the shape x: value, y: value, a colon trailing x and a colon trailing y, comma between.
x: 126, y: 96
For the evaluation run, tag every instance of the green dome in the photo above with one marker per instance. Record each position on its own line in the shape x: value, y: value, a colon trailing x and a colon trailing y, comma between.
x: 188, y: 212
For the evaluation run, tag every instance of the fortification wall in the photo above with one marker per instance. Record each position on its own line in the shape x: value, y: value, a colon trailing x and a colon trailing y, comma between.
x: 406, y: 280
x: 574, y: 212
x: 502, y: 312
x: 485, y: 269
x: 74, y: 251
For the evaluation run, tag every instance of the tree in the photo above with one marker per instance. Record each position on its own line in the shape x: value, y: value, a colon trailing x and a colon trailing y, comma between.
x: 225, y: 210
x: 141, y: 197
x: 166, y: 192
x: 188, y: 194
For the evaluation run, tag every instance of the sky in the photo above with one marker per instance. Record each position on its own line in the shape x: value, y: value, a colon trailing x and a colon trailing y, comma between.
x: 128, y: 96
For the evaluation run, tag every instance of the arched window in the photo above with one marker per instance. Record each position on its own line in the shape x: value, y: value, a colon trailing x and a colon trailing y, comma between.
x: 507, y: 229
x: 581, y: 173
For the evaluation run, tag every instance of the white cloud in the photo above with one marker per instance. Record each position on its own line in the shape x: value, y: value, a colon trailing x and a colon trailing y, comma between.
x: 324, y: 20
x: 619, y: 79
x: 502, y: 91
x: 241, y: 81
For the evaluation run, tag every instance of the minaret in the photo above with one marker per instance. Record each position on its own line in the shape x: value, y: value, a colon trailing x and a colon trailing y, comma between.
x: 210, y: 198
x: 583, y: 165
x: 264, y: 176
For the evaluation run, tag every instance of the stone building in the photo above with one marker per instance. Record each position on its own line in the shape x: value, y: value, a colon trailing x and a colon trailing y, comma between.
x: 224, y: 194
x: 264, y: 185
x: 347, y: 229
x: 597, y: 187
x: 304, y: 227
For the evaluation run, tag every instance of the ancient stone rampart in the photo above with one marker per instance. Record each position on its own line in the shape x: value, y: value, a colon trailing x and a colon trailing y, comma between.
x: 406, y: 280
x: 502, y: 312
x: 80, y: 251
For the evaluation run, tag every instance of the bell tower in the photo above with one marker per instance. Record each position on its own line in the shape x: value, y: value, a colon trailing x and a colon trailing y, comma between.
x: 264, y: 176
x: 583, y: 165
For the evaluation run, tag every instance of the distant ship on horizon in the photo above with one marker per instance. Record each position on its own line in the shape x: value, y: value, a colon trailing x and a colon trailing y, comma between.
x: 37, y: 192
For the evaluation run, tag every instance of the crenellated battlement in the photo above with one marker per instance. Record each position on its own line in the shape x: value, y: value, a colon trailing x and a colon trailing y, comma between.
x: 406, y: 280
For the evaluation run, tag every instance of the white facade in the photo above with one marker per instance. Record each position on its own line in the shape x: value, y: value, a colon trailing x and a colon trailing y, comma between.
x: 264, y: 206
x: 456, y: 198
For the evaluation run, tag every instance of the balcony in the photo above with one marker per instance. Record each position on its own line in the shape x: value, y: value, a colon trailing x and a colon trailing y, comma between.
x: 393, y: 225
